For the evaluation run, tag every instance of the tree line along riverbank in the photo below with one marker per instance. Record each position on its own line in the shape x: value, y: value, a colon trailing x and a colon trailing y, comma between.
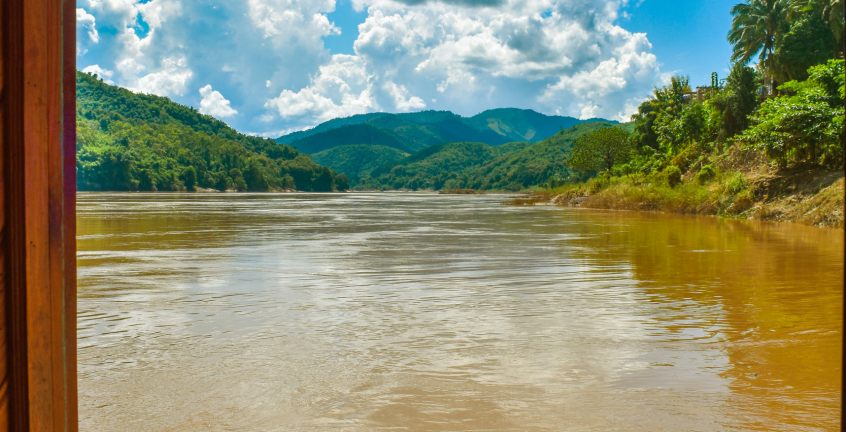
x: 767, y: 143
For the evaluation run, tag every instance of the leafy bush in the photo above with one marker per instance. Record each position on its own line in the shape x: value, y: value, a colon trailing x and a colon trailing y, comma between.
x: 735, y: 184
x: 805, y: 124
x: 673, y: 175
x: 706, y: 174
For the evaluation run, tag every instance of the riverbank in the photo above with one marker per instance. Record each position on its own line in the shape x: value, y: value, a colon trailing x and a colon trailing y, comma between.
x: 810, y: 196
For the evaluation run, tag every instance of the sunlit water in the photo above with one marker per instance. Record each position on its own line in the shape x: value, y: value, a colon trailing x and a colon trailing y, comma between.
x: 423, y: 312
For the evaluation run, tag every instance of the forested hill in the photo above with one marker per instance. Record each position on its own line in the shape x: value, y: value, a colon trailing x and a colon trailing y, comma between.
x: 129, y: 141
x: 419, y: 130
x: 367, y: 148
x: 468, y: 165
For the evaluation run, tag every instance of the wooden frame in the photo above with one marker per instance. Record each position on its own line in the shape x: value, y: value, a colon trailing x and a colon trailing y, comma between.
x: 37, y: 216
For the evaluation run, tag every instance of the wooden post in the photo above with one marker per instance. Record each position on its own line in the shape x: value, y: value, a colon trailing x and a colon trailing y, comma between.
x: 37, y: 230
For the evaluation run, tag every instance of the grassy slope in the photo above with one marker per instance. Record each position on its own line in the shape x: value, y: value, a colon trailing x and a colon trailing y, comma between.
x: 746, y: 186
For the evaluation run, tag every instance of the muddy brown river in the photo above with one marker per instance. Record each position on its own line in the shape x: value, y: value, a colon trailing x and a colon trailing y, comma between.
x: 425, y: 312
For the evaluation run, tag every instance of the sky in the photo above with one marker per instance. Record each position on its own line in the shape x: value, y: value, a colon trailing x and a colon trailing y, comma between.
x: 269, y: 67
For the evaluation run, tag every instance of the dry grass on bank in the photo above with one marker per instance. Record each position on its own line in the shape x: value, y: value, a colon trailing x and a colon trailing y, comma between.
x: 809, y: 196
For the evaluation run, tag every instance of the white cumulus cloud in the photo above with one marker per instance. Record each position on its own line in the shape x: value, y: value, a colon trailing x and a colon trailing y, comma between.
x: 341, y: 88
x: 568, y: 57
x: 402, y: 101
x: 214, y: 104
x: 86, y: 30
x: 171, y: 79
x: 104, y: 74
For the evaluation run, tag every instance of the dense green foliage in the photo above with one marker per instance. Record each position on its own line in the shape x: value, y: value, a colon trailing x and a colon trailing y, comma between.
x: 737, y: 101
x: 716, y: 149
x: 513, y: 166
x: 360, y: 161
x: 129, y: 141
x: 805, y: 124
x: 436, y: 167
x: 807, y: 42
x: 600, y: 150
x: 788, y: 36
x: 416, y: 131
x: 350, y: 135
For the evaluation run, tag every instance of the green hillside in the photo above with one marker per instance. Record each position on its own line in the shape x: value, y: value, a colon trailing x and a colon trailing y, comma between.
x: 359, y: 161
x: 347, y: 135
x: 520, y: 124
x: 424, y: 129
x: 434, y: 168
x: 130, y: 141
x: 512, y: 166
x: 329, y: 125
x: 419, y: 130
x: 540, y: 164
x: 379, y: 138
x: 406, y: 131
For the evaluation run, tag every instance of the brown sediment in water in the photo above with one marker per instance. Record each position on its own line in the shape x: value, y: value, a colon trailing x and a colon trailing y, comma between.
x: 376, y: 311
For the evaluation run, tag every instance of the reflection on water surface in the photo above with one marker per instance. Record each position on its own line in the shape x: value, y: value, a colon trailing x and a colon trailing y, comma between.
x: 428, y: 312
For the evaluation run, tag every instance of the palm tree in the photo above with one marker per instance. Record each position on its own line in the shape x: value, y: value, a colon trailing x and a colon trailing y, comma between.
x: 831, y: 11
x: 835, y: 11
x: 755, y: 27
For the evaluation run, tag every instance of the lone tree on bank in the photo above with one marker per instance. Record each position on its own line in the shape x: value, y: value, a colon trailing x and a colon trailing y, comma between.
x: 601, y: 150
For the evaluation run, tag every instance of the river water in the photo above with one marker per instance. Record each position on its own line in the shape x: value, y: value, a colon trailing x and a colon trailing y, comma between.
x: 424, y: 312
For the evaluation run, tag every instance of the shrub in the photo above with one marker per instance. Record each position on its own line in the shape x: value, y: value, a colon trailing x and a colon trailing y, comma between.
x: 735, y: 184
x: 805, y: 123
x: 597, y: 184
x: 673, y: 175
x: 706, y: 174
x: 743, y: 201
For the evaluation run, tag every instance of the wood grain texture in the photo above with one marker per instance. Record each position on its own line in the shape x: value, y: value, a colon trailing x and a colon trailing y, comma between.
x: 4, y: 396
x: 38, y: 198
x: 69, y: 216
x: 15, y: 280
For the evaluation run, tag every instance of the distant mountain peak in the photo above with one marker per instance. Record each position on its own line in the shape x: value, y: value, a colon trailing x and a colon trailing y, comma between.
x: 421, y: 129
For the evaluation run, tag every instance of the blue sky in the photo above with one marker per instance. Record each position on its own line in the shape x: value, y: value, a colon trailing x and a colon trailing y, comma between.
x: 272, y: 66
x: 688, y: 36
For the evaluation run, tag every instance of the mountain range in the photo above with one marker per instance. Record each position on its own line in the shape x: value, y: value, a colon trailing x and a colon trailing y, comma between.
x: 366, y: 147
x: 418, y: 130
x: 131, y: 141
